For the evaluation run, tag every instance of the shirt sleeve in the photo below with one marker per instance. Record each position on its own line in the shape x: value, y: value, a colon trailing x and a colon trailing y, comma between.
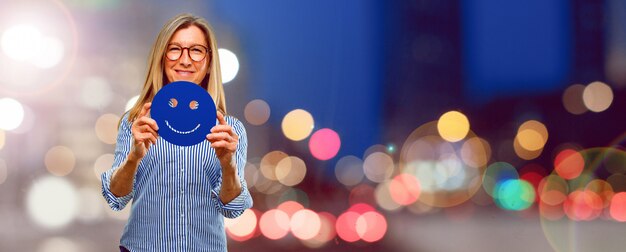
x: 235, y: 207
x: 122, y: 148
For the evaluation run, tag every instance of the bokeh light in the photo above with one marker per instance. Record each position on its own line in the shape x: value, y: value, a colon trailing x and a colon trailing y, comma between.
x: 257, y: 112
x: 569, y: 164
x: 371, y: 226
x: 382, y: 194
x: 290, y: 207
x: 553, y: 190
x: 346, y: 226
x: 532, y: 135
x: 349, y: 170
x: 453, y: 126
x: 618, y: 207
x: 514, y: 194
x: 52, y: 202
x: 404, y: 189
x: 497, y: 173
x: 378, y: 167
x: 597, y: 96
x: 297, y: 124
x: 60, y: 160
x: 523, y: 153
x: 445, y: 179
x: 21, y: 42
x: 582, y: 205
x: 229, y: 65
x: 12, y: 114
x: 103, y: 163
x: 269, y: 162
x: 290, y: 171
x: 324, y: 144
x: 49, y: 53
x: 131, y: 102
x: 573, y: 99
x: 476, y: 152
x: 242, y: 227
x: 106, y: 128
x: 326, y: 233
x: 274, y: 224
x: 305, y: 224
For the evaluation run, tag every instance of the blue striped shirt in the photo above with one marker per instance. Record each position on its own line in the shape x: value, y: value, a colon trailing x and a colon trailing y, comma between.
x: 176, y: 204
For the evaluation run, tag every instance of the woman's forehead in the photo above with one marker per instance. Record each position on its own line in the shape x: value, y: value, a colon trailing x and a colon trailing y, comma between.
x: 189, y: 35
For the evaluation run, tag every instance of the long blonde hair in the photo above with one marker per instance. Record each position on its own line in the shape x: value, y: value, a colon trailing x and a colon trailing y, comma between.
x: 155, y: 76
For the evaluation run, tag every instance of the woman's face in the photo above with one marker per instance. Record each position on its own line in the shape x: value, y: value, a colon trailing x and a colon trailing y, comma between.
x: 186, y: 47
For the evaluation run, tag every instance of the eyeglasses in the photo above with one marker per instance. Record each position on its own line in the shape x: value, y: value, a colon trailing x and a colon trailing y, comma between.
x: 195, y: 52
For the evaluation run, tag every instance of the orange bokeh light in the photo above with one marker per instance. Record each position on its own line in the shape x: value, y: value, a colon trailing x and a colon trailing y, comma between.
x: 569, y: 164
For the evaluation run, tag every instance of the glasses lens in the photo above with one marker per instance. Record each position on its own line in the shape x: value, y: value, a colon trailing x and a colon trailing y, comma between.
x: 197, y: 53
x: 173, y: 52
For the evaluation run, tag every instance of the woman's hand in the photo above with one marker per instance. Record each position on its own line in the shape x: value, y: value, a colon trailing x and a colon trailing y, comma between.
x: 144, y: 131
x: 224, y: 140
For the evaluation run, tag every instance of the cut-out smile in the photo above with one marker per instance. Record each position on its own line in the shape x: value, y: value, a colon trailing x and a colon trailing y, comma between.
x: 181, y: 132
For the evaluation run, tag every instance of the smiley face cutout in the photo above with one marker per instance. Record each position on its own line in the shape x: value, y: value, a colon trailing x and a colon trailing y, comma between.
x: 184, y: 112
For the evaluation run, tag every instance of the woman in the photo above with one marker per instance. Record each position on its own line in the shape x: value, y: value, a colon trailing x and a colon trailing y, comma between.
x: 179, y: 193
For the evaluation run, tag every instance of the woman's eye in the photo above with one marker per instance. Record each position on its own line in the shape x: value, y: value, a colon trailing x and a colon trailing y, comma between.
x: 193, y: 105
x: 173, y: 102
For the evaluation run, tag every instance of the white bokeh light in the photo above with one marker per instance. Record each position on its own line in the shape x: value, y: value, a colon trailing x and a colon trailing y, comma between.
x: 229, y: 65
x: 131, y: 102
x: 50, y: 53
x: 52, y: 202
x: 12, y: 114
x: 20, y: 42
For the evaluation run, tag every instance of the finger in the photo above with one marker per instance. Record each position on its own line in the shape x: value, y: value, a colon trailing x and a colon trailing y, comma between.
x: 145, y: 109
x: 222, y: 128
x: 146, y: 128
x: 220, y: 136
x: 149, y: 121
x: 223, y: 144
x: 220, y: 118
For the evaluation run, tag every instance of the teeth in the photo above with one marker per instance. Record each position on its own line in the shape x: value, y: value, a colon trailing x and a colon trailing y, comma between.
x: 181, y: 132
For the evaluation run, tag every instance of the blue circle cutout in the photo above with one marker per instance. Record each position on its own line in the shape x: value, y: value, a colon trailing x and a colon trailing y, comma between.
x: 184, y: 112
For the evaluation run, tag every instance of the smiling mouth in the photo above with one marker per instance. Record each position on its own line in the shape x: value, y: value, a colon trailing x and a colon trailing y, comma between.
x: 181, y: 132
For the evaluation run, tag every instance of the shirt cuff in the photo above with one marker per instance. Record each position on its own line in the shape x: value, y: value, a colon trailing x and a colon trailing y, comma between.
x: 116, y: 203
x: 238, y: 203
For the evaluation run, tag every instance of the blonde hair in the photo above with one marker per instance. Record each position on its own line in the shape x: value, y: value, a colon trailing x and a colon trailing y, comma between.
x: 155, y: 76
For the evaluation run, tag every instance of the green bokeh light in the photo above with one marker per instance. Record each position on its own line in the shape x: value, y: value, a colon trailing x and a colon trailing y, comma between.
x: 514, y: 194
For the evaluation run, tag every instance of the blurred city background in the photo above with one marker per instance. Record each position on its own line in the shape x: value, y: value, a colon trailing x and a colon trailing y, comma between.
x: 417, y: 125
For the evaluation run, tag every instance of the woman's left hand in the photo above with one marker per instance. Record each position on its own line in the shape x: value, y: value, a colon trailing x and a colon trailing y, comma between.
x: 224, y: 140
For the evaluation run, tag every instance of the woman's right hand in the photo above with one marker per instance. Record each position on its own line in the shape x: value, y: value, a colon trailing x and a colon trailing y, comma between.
x: 144, y: 131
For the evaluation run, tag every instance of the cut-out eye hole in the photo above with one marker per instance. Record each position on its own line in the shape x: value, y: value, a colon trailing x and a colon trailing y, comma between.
x: 173, y: 102
x: 194, y: 105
